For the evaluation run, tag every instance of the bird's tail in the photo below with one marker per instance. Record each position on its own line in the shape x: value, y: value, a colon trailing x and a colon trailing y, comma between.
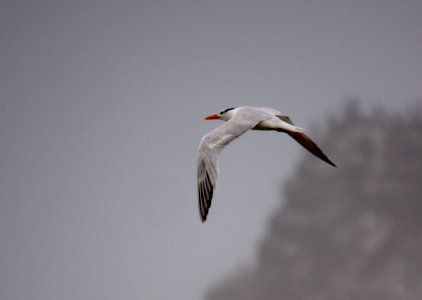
x: 309, y: 145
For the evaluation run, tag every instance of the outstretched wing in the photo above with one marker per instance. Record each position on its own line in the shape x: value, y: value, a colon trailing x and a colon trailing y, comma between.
x: 298, y: 134
x: 278, y: 114
x: 210, y: 149
x: 309, y: 145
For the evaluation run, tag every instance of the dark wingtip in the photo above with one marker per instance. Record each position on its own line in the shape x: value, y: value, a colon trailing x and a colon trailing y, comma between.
x: 310, y: 145
x: 324, y: 157
x: 333, y: 164
x: 205, y: 193
x: 204, y: 216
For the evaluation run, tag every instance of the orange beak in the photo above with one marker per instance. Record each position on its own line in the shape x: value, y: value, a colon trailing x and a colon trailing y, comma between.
x: 212, y: 117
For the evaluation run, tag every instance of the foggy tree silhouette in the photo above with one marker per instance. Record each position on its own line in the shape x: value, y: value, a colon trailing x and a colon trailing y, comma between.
x: 349, y: 233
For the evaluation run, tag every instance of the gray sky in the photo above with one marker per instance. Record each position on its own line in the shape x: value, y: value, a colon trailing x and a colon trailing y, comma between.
x: 101, y: 106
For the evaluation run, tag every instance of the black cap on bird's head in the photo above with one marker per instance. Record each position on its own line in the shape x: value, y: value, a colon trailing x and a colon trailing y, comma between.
x: 226, y: 110
x: 219, y: 115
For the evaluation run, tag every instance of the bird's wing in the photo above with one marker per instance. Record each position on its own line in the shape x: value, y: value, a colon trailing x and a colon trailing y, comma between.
x: 285, y: 118
x: 309, y: 145
x: 210, y: 149
x: 278, y: 114
x: 298, y: 134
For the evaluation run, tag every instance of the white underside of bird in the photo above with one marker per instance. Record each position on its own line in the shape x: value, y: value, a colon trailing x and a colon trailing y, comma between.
x: 239, y: 120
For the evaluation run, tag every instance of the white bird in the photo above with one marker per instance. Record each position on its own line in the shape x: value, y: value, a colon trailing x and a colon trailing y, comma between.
x: 239, y: 120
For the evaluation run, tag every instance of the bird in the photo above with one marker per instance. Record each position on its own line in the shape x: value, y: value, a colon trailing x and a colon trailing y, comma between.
x: 238, y: 121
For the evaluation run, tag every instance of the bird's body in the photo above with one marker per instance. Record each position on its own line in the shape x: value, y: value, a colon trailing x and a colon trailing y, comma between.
x: 239, y: 120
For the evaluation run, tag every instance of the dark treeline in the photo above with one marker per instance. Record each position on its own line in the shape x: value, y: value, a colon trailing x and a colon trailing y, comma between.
x: 354, y: 232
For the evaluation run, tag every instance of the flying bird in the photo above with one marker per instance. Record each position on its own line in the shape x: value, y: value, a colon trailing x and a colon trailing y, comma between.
x: 239, y: 120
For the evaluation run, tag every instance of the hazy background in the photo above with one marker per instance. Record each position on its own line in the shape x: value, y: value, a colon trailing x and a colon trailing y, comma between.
x: 101, y: 106
x: 352, y: 232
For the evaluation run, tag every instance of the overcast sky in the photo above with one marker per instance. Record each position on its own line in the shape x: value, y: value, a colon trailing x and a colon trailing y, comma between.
x: 101, y: 107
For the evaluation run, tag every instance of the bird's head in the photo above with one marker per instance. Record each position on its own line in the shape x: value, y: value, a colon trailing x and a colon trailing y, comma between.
x: 224, y: 115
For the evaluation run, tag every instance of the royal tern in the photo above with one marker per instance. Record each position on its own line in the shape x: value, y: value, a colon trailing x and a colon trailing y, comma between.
x: 239, y: 120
